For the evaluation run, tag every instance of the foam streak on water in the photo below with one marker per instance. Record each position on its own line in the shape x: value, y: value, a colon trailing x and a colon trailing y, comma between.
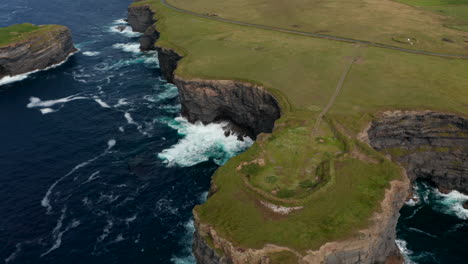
x: 45, y: 202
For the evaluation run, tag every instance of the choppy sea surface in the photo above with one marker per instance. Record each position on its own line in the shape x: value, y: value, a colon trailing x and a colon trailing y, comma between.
x: 97, y: 166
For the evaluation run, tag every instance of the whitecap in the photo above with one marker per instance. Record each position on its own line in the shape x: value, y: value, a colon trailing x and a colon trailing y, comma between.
x: 101, y: 103
x: 35, y: 102
x: 45, y: 111
x: 121, y: 129
x: 127, y: 31
x: 201, y: 143
x: 91, y: 53
x: 130, y: 121
x: 121, y: 102
x: 128, y: 47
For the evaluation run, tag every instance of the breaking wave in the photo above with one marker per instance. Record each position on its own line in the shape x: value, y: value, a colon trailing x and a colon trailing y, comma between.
x: 91, y: 53
x: 402, y: 246
x: 128, y: 47
x: 201, y: 143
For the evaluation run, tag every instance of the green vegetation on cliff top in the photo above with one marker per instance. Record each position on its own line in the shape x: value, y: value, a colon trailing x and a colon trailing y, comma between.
x: 337, y: 181
x: 19, y: 32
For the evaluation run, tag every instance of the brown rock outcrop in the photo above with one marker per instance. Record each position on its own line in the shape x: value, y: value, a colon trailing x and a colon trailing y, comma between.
x: 430, y: 145
x: 36, y: 52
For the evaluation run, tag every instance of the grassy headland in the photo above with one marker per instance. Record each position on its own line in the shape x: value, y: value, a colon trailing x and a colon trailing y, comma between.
x: 338, y: 181
x: 19, y: 32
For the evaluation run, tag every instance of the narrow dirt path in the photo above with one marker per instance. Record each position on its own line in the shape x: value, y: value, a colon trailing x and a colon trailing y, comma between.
x: 335, y: 93
x: 315, y: 35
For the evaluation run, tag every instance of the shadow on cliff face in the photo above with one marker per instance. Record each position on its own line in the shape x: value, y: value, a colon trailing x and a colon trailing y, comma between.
x: 3, y: 71
x: 431, y: 146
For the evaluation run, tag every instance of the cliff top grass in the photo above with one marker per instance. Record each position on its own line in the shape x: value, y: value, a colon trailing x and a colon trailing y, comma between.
x: 337, y: 181
x: 380, y: 21
x: 19, y: 32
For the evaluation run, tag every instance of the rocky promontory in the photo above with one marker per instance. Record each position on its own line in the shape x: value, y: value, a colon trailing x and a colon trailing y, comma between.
x: 38, y: 48
x: 429, y: 145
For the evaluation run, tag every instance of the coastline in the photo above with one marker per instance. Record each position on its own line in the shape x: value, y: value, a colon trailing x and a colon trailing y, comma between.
x: 221, y: 250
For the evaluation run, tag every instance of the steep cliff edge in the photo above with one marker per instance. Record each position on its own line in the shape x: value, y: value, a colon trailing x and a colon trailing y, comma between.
x: 141, y: 18
x: 430, y: 145
x: 375, y: 244
x: 36, y: 50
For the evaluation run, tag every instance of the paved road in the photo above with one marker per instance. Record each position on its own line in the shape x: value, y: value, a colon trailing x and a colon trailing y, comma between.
x: 315, y: 35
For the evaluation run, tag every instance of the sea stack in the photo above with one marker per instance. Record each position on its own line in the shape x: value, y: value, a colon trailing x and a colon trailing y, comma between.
x: 27, y: 47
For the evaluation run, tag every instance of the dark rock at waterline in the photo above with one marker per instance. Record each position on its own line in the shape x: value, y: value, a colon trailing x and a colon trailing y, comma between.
x: 465, y: 205
x: 141, y: 19
x: 430, y: 145
x: 36, y: 52
x: 120, y: 28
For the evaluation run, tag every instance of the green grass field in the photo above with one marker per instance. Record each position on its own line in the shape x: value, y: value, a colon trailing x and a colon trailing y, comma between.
x: 20, y: 31
x: 338, y: 191
x: 379, y: 21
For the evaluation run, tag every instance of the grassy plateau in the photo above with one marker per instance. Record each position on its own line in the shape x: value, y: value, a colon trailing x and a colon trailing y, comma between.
x: 19, y: 32
x: 321, y: 167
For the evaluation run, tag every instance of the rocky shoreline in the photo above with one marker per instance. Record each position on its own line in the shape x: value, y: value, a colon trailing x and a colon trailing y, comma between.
x: 37, y: 52
x: 255, y: 110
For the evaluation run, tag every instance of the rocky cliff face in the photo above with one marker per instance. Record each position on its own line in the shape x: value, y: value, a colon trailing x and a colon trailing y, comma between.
x: 141, y: 18
x: 376, y: 244
x: 36, y: 52
x: 430, y: 145
x: 247, y: 105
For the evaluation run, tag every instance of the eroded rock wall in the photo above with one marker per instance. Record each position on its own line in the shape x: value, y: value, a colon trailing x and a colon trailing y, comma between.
x: 141, y: 19
x: 430, y: 145
x: 36, y: 52
x: 247, y: 105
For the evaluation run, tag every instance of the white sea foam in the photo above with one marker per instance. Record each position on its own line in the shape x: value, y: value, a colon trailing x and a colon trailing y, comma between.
x: 127, y: 31
x: 452, y: 203
x: 201, y: 143
x: 57, y: 232
x: 12, y: 79
x: 106, y: 230
x: 402, y: 246
x: 15, y: 253
x: 101, y: 103
x: 121, y: 102
x: 121, y: 129
x: 128, y: 47
x: 186, y: 241
x: 421, y: 232
x: 19, y: 77
x: 91, y: 53
x: 45, y: 111
x: 37, y: 102
x: 45, y: 202
x: 130, y: 121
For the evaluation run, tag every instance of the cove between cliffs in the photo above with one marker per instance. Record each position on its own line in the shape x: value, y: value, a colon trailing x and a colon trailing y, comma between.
x: 253, y: 110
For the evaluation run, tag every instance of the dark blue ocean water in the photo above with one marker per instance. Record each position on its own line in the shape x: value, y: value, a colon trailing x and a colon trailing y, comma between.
x: 96, y: 166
